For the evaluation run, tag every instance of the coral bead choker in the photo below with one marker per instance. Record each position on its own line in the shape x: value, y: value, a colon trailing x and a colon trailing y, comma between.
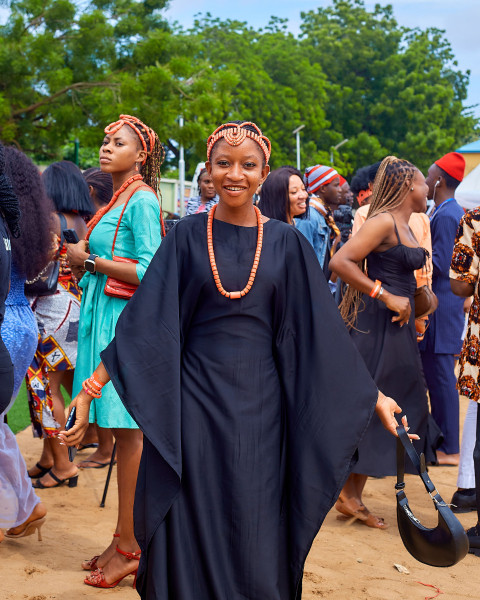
x: 213, y: 264
x: 123, y: 187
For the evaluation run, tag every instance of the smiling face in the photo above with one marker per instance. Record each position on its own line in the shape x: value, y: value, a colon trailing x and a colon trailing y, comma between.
x: 297, y: 196
x: 237, y: 171
x: 120, y: 151
x: 419, y: 194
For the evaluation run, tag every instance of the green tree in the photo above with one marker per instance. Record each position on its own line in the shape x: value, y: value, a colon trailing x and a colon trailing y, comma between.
x: 391, y: 89
x: 70, y: 68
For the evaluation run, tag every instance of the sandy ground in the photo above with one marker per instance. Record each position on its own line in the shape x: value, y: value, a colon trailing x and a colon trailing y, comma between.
x: 346, y: 562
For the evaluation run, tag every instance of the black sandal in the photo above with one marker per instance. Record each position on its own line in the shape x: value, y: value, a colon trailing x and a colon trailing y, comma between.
x: 43, y: 471
x: 72, y: 482
x: 81, y: 447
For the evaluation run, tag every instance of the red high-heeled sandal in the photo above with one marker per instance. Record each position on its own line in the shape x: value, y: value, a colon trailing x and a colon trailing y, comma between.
x: 91, y: 565
x: 97, y: 578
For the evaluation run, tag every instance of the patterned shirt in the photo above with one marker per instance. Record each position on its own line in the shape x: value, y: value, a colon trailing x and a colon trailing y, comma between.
x: 466, y: 267
x: 195, y: 205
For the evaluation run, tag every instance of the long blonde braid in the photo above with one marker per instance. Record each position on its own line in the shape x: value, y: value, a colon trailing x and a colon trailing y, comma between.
x: 390, y: 188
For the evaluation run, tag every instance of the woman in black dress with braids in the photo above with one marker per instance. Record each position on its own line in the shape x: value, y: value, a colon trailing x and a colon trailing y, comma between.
x: 377, y: 308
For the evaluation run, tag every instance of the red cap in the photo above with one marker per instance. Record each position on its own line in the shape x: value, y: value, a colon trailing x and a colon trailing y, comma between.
x: 453, y: 164
x: 342, y: 180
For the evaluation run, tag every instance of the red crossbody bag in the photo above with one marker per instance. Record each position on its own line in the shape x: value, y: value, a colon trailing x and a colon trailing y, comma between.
x: 116, y: 287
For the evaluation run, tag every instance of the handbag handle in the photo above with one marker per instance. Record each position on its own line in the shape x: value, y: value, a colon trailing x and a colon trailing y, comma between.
x: 144, y: 186
x: 405, y: 445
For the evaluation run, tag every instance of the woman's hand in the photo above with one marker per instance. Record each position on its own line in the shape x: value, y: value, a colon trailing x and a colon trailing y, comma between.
x: 78, y: 272
x: 77, y: 254
x: 399, y: 304
x: 386, y: 408
x: 74, y: 436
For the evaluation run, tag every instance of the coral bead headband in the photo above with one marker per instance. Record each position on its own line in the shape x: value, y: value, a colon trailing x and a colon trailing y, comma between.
x: 133, y: 122
x: 234, y: 134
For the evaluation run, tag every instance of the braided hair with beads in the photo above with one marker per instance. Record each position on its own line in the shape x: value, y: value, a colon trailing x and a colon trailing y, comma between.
x: 150, y: 169
x: 390, y: 188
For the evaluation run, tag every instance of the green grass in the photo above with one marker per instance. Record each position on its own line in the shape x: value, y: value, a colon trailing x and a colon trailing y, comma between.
x: 19, y: 416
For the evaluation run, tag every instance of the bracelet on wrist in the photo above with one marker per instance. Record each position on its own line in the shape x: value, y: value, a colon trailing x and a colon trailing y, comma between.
x: 377, y: 286
x: 93, y: 387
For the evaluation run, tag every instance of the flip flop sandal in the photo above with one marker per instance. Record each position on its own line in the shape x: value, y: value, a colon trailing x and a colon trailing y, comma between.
x: 96, y: 462
x: 81, y: 447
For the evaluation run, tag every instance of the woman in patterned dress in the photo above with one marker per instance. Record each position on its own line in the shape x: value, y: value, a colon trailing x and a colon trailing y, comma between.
x: 57, y: 318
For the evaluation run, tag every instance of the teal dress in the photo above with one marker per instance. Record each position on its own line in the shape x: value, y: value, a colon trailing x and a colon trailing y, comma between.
x: 138, y: 237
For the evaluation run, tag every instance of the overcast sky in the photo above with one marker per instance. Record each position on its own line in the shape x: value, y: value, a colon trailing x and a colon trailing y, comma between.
x: 459, y: 19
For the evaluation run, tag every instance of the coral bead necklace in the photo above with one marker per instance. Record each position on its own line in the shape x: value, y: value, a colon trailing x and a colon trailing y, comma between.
x: 123, y: 187
x: 213, y: 264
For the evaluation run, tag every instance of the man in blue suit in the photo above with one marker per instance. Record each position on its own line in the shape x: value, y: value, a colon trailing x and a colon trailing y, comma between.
x: 443, y: 337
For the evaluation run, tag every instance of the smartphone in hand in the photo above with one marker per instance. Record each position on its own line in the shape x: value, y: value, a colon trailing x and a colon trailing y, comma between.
x: 72, y: 451
x: 70, y: 236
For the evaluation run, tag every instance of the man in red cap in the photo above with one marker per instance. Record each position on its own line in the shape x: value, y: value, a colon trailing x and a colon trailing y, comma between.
x: 443, y: 339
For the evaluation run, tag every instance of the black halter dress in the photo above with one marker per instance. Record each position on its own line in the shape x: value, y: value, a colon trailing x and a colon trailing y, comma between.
x: 392, y: 357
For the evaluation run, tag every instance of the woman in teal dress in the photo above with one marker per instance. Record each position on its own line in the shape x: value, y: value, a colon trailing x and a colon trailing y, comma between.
x: 129, y: 227
x: 138, y: 238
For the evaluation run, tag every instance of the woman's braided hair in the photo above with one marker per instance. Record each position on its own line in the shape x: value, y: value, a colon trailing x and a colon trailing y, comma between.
x: 150, y: 169
x: 390, y: 188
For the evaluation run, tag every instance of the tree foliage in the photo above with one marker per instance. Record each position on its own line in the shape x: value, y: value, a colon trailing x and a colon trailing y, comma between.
x: 68, y: 68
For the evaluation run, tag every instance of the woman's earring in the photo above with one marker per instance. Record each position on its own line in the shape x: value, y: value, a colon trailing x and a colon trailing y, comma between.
x: 136, y: 166
x: 411, y: 189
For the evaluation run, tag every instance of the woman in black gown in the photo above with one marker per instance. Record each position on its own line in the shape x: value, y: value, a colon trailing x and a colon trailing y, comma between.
x: 246, y: 445
x: 383, y: 326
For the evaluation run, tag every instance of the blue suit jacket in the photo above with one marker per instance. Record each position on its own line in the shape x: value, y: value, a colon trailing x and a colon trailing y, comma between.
x: 447, y: 322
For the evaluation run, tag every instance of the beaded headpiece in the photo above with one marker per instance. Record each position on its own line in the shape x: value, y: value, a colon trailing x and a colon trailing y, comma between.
x: 234, y: 134
x: 133, y: 122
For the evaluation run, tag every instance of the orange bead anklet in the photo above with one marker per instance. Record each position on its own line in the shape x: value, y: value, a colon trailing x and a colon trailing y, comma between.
x: 213, y: 264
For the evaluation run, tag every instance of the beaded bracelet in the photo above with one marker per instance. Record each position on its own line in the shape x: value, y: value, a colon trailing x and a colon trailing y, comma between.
x: 93, y: 387
x: 90, y: 391
x: 376, y: 289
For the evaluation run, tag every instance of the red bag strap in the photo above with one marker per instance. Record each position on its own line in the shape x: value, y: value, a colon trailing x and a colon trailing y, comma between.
x: 145, y: 187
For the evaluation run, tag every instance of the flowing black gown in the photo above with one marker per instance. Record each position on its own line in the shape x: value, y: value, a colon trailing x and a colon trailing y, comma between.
x: 250, y: 424
x: 393, y: 360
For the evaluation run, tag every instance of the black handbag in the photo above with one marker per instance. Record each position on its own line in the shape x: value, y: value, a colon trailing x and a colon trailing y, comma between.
x: 45, y: 283
x: 444, y: 545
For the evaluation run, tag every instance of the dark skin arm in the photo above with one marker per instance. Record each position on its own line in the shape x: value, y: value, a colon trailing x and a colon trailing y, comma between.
x: 77, y: 254
x: 82, y: 402
x: 376, y: 234
x: 386, y: 408
x: 462, y: 288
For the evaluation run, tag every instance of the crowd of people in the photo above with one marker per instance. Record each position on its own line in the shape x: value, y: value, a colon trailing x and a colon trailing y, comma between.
x: 209, y: 356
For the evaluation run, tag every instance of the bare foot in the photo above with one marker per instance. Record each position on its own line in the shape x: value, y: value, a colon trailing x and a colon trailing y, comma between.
x: 117, y: 567
x: 451, y: 460
x: 37, y: 513
x: 2, y: 536
x: 47, y: 481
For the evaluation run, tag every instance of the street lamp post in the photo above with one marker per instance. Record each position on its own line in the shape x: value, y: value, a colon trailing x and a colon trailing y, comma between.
x: 336, y: 148
x: 296, y: 132
x: 181, y: 172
